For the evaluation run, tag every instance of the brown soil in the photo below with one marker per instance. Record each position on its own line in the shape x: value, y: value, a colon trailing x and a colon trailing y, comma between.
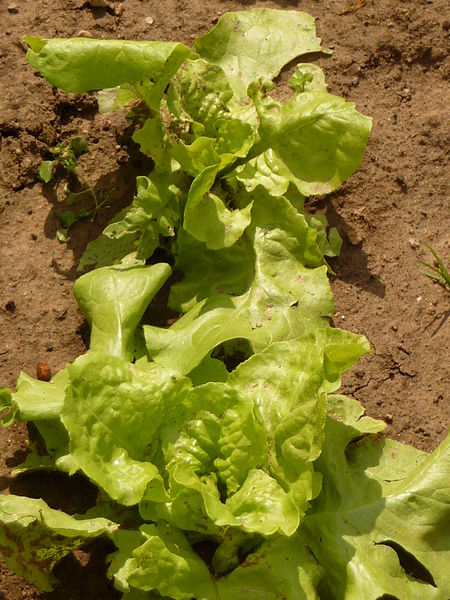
x: 391, y: 58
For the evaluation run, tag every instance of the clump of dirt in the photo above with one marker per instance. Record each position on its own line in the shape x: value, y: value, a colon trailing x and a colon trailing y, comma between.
x: 391, y: 58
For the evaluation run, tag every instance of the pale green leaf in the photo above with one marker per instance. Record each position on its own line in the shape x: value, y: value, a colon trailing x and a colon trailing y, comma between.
x: 256, y: 290
x: 37, y: 400
x: 257, y: 43
x: 208, y: 219
x: 164, y: 562
x: 314, y: 141
x: 34, y: 537
x: 113, y: 300
x: 112, y: 412
x: 308, y: 77
x: 105, y: 251
x: 83, y: 64
x: 379, y: 525
x: 281, y: 568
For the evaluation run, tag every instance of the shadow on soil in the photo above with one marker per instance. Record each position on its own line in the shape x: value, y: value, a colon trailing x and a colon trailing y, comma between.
x: 119, y: 183
x: 351, y: 266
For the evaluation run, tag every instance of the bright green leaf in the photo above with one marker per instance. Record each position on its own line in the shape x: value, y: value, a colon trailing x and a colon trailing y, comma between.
x: 113, y: 300
x: 47, y: 169
x: 308, y: 77
x: 256, y: 290
x: 165, y: 562
x: 112, y: 412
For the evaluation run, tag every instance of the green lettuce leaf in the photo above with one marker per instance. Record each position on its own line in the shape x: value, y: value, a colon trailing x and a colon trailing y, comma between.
x: 112, y: 411
x: 132, y: 235
x: 201, y: 103
x: 7, y: 409
x: 105, y: 251
x: 212, y: 447
x: 41, y: 402
x: 207, y: 218
x: 34, y: 537
x: 154, y: 143
x: 307, y: 77
x: 280, y: 568
x: 241, y: 454
x: 257, y: 43
x: 154, y: 212
x: 258, y: 289
x: 160, y: 558
x: 83, y: 64
x: 37, y: 400
x: 113, y: 300
x: 210, y: 369
x: 379, y: 526
x: 314, y: 141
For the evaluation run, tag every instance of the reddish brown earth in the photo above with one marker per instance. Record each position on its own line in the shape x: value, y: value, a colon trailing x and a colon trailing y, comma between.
x: 391, y: 58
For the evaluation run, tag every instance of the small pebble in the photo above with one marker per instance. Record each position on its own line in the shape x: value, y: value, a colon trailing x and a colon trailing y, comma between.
x: 405, y: 93
x: 389, y: 418
x: 401, y: 180
x: 84, y: 33
x: 149, y: 20
x: 353, y: 235
x: 43, y: 371
x: 412, y: 242
x: 13, y: 9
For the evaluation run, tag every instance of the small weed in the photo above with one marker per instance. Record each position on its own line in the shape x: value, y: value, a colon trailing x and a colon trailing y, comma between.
x: 437, y: 271
x: 66, y: 156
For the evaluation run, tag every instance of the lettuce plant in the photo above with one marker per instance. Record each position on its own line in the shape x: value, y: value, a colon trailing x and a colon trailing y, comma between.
x: 228, y: 465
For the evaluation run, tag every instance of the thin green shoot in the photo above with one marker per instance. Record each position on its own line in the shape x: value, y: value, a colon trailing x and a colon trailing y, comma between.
x: 66, y: 156
x: 438, y: 271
